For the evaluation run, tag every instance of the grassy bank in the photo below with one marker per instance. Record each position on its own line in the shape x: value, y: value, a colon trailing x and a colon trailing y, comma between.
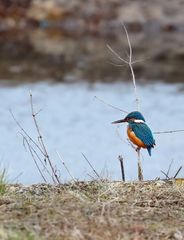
x: 93, y: 210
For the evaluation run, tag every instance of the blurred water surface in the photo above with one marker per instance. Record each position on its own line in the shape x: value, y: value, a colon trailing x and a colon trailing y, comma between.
x: 73, y: 122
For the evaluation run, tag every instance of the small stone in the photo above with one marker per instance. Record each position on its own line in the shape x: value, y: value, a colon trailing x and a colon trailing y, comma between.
x: 177, y: 235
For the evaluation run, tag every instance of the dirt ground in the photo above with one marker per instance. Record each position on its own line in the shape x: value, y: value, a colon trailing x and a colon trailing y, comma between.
x: 94, y: 210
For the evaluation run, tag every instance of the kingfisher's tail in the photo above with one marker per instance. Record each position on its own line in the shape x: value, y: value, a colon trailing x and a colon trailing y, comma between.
x: 149, y: 150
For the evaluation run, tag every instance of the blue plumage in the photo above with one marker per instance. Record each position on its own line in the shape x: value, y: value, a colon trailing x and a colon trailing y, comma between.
x: 143, y: 132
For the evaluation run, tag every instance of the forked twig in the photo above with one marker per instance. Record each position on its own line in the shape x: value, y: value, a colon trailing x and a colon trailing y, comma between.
x: 41, y: 142
x: 130, y: 62
x: 37, y: 148
x: 165, y: 174
x: 26, y: 134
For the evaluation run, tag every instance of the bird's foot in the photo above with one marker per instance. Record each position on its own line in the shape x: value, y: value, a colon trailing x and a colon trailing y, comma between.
x: 137, y: 149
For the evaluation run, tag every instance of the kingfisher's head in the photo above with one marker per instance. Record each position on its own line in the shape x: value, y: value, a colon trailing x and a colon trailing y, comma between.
x: 135, y: 116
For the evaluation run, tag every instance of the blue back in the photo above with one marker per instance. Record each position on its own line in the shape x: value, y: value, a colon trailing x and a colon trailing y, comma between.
x: 143, y: 132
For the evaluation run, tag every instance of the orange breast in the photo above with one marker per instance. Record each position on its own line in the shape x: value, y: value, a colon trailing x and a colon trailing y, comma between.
x: 135, y: 139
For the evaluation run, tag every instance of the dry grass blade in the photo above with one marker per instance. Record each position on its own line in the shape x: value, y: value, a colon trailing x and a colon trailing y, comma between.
x: 91, y: 165
x: 168, y: 171
x: 67, y: 169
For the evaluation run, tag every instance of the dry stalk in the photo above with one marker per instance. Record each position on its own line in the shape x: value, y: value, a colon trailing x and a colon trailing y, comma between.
x: 67, y: 169
x: 38, y: 148
x: 130, y: 63
x: 95, y: 172
x: 42, y: 144
x: 122, y: 168
x: 34, y: 159
x: 177, y: 172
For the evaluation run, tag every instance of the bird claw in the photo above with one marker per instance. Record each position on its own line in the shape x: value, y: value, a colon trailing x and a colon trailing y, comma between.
x: 137, y: 149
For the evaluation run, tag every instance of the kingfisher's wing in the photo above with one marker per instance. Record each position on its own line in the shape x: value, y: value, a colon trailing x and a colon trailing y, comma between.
x: 143, y: 132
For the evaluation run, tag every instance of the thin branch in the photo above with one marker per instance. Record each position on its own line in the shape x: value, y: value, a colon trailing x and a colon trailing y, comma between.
x: 109, y: 105
x: 117, y: 65
x: 129, y: 63
x: 169, y: 131
x: 177, y: 172
x: 37, y: 127
x: 33, y: 157
x: 24, y: 131
x: 67, y: 169
x: 131, y: 68
x: 168, y: 171
x: 41, y: 142
x: 90, y: 165
x: 165, y: 174
x: 116, y: 54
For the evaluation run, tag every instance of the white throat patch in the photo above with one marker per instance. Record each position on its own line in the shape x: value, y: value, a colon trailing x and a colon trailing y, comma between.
x: 138, y: 121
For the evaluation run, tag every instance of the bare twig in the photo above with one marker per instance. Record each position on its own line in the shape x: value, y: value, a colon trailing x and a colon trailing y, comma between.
x: 130, y: 63
x: 24, y: 131
x: 165, y: 174
x: 35, y: 146
x: 131, y: 68
x: 117, y: 65
x: 168, y: 171
x: 177, y: 172
x: 41, y: 142
x: 109, y: 105
x: 33, y: 157
x: 67, y: 169
x: 26, y: 142
x: 122, y: 168
x: 91, y: 165
x: 169, y: 131
x: 117, y: 55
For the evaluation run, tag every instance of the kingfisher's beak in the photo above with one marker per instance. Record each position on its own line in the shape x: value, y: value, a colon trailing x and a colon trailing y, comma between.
x: 120, y: 121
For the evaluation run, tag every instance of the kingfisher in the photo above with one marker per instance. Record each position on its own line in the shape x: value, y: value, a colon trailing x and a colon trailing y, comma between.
x: 138, y: 131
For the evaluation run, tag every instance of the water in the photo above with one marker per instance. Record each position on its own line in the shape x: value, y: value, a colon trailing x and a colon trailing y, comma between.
x: 73, y: 122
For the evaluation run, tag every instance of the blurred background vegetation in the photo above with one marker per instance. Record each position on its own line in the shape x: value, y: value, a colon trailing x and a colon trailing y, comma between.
x: 66, y: 41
